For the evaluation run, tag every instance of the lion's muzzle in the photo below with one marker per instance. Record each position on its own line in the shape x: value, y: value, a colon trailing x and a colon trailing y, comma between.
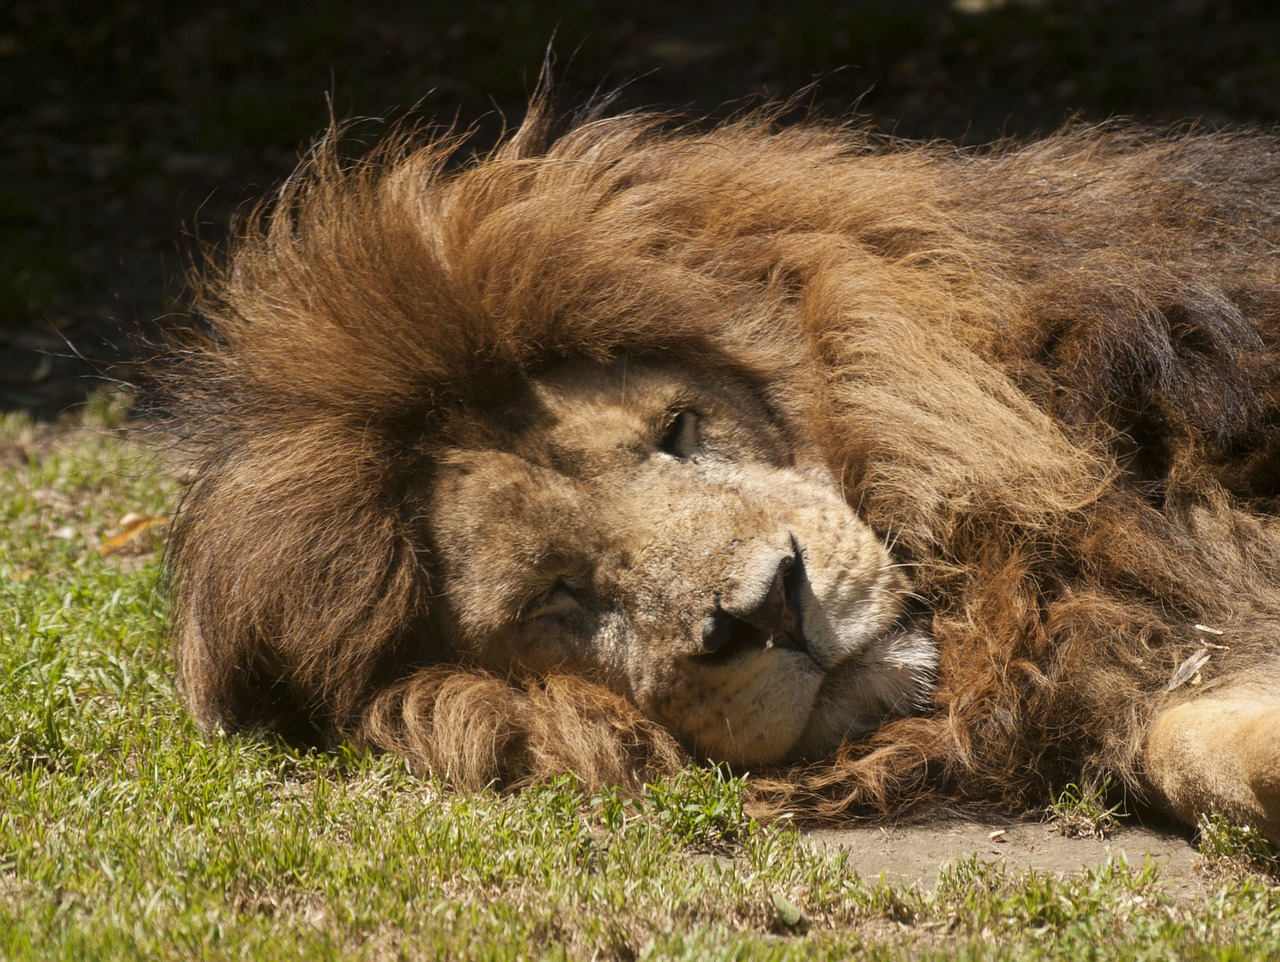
x: 775, y: 622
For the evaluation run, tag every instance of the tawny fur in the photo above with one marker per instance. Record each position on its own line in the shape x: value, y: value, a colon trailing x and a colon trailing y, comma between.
x: 1047, y: 374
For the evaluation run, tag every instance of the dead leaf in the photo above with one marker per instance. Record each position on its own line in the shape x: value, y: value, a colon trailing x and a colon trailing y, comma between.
x: 131, y: 526
x: 1187, y: 670
x: 998, y: 835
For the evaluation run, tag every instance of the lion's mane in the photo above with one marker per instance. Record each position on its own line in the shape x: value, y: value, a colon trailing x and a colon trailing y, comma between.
x: 1046, y: 374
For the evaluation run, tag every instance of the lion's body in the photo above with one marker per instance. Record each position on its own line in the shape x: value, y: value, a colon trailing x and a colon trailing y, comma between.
x: 435, y: 515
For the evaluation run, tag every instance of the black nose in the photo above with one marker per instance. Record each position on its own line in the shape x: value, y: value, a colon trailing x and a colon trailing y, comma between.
x: 774, y: 623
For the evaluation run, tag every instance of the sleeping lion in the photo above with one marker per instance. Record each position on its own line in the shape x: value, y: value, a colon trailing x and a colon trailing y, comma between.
x: 881, y: 470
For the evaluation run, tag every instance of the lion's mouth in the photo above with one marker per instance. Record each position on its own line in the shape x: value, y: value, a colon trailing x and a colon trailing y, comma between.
x: 776, y: 622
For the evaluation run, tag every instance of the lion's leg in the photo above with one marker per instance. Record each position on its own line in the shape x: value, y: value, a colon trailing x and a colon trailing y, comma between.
x: 1219, y: 753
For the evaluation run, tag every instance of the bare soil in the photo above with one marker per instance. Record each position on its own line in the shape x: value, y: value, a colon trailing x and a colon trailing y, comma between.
x: 915, y: 854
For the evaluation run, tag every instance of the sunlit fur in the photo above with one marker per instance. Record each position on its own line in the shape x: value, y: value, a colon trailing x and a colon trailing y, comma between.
x: 1045, y: 374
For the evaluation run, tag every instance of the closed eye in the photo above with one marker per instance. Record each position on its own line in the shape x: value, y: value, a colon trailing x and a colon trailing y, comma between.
x: 680, y: 436
x: 557, y: 601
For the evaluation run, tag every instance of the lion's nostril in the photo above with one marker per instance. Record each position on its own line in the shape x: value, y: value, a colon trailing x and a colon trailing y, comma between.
x: 716, y: 631
x: 726, y: 637
x: 778, y: 614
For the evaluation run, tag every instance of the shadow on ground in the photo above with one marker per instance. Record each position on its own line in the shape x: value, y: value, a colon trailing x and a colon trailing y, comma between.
x: 131, y: 132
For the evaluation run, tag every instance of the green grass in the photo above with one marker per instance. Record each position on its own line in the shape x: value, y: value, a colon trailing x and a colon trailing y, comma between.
x: 1080, y: 812
x: 124, y: 833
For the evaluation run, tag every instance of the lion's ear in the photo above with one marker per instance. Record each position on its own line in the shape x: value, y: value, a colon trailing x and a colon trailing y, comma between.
x: 296, y: 586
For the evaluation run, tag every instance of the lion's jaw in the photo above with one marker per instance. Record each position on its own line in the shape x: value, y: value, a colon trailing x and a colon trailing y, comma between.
x: 657, y: 532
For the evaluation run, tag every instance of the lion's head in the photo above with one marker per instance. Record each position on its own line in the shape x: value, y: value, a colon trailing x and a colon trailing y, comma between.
x: 534, y: 462
x: 658, y: 529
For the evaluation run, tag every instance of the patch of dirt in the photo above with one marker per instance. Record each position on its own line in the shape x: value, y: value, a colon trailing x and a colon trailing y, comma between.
x: 916, y: 853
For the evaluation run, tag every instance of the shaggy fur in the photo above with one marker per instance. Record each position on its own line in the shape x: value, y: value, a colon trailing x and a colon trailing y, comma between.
x: 1046, y: 374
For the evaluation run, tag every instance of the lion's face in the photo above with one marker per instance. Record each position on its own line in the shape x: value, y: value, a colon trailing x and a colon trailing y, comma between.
x: 658, y: 531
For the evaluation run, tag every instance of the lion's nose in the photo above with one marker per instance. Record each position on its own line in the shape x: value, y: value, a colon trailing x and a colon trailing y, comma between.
x: 717, y: 630
x: 773, y: 623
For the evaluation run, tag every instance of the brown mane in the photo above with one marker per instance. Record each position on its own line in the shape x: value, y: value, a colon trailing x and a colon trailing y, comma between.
x: 1046, y: 373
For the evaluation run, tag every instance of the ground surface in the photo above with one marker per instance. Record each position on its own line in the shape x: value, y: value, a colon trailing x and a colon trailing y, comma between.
x: 917, y: 854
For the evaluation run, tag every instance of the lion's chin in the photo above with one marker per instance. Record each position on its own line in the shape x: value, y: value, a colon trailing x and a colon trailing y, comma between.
x: 890, y: 679
x: 747, y: 712
x: 781, y: 706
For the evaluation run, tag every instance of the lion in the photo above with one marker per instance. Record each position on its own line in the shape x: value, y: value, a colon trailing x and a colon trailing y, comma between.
x: 881, y: 470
